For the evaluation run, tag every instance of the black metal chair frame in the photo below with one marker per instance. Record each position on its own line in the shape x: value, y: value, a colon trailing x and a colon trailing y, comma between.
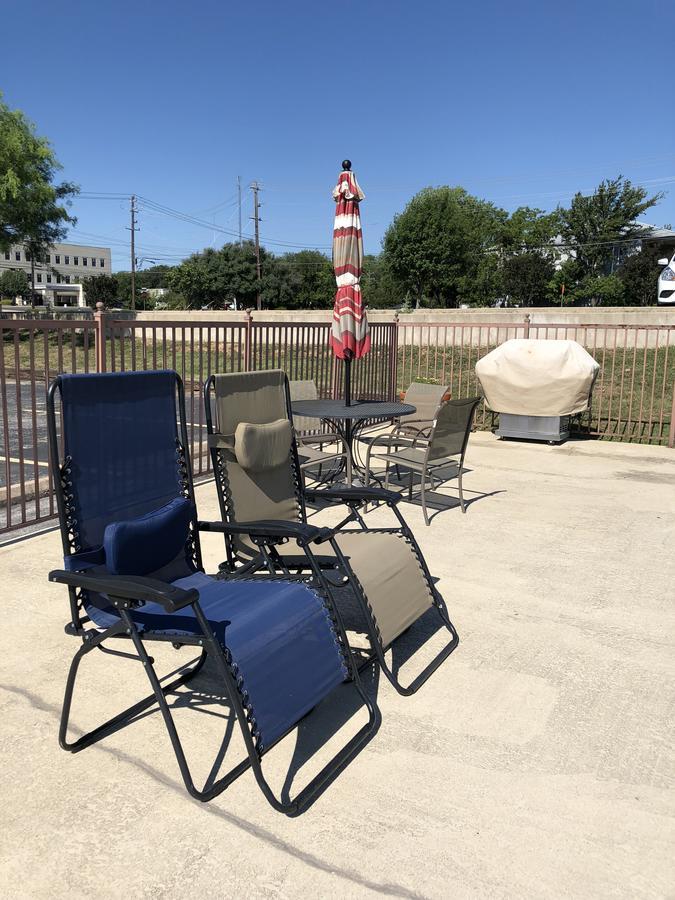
x: 271, y: 562
x: 127, y: 593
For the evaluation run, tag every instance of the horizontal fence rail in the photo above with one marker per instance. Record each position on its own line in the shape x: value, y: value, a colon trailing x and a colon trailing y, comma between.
x: 633, y: 399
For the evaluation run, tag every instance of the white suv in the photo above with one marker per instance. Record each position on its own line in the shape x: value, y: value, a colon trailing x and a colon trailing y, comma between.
x: 666, y: 289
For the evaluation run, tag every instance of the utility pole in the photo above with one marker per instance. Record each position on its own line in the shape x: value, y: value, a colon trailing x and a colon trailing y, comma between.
x: 241, y: 243
x: 133, y: 230
x: 255, y: 187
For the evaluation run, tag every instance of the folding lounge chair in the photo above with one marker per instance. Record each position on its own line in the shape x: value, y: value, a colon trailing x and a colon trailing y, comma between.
x: 255, y: 460
x: 132, y: 563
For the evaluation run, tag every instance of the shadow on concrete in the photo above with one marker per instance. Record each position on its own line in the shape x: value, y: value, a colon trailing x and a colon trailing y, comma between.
x: 264, y: 835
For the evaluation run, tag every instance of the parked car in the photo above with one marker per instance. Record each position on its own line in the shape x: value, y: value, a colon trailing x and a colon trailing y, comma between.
x: 666, y: 289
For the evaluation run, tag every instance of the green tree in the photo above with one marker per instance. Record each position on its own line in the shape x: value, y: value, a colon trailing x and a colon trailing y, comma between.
x: 314, y: 280
x: 280, y: 283
x: 639, y: 274
x: 527, y: 229
x: 216, y: 277
x: 33, y: 210
x: 190, y: 280
x: 100, y: 289
x: 437, y: 247
x: 153, y: 277
x: 594, y: 223
x: 601, y: 290
x: 568, y: 274
x: 123, y: 294
x: 379, y: 286
x: 14, y: 283
x: 526, y: 277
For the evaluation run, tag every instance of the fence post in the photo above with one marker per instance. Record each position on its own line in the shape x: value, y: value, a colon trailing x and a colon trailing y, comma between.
x: 247, y: 341
x: 99, y: 320
x: 527, y: 325
x: 671, y: 433
x: 394, y: 359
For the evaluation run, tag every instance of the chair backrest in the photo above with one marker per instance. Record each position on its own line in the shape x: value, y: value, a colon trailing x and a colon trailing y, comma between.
x: 304, y: 390
x: 123, y: 457
x: 258, y: 398
x: 451, y: 428
x: 426, y: 398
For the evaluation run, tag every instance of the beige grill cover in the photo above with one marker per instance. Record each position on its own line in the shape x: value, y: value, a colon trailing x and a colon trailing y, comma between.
x: 526, y: 377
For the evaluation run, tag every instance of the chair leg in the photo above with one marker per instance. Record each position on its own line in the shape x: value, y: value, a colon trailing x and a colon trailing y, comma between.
x: 461, y: 495
x: 213, y: 649
x: 410, y: 486
x: 120, y: 719
x: 423, y: 495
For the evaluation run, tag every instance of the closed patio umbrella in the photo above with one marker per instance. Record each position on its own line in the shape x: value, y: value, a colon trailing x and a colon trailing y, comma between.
x: 349, y: 334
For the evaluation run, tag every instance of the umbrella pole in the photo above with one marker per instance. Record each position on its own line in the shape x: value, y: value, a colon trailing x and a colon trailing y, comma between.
x: 348, y: 402
x: 348, y: 378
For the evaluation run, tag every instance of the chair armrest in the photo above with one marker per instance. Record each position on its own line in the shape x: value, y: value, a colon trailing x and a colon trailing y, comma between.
x: 408, y: 421
x: 354, y: 495
x: 318, y: 437
x: 392, y: 438
x: 268, y: 528
x: 136, y: 588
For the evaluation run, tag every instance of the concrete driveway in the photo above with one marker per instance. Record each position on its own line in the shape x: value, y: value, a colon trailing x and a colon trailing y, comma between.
x: 538, y: 762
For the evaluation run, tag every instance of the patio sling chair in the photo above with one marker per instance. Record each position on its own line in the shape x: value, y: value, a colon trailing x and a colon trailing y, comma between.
x: 311, y: 440
x: 132, y: 563
x: 255, y: 460
x: 426, y: 398
x: 444, y: 448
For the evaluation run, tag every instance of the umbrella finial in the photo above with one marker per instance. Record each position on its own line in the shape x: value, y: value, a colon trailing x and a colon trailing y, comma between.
x: 346, y: 164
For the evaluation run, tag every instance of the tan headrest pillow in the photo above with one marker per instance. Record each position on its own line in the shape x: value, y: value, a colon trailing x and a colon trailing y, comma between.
x: 261, y: 447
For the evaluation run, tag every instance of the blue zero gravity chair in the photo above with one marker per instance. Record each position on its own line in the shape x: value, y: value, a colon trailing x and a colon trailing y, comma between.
x: 132, y: 563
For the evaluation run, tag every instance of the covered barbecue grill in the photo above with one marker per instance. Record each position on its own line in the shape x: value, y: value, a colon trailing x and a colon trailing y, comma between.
x: 536, y: 385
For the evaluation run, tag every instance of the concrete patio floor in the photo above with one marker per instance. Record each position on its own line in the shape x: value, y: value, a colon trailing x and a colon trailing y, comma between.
x: 537, y: 762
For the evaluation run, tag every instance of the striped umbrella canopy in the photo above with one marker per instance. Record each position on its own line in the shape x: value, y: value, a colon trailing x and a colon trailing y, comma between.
x: 349, y: 333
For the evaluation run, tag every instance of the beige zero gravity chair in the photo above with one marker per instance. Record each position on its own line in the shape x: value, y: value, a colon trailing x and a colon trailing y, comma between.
x: 255, y: 461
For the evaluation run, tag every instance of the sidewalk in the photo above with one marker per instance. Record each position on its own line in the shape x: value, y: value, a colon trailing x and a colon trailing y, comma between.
x: 537, y: 762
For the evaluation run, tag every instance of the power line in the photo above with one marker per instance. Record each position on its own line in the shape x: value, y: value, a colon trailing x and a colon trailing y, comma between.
x: 239, y: 198
x: 177, y: 214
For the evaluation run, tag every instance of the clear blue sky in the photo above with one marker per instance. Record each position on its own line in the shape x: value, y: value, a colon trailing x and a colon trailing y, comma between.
x: 520, y: 102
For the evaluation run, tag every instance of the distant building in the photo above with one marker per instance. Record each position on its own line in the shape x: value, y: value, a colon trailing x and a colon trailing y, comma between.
x: 654, y: 238
x: 58, y: 278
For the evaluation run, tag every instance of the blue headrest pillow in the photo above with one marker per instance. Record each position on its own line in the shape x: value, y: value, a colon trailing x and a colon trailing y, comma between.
x: 145, y: 544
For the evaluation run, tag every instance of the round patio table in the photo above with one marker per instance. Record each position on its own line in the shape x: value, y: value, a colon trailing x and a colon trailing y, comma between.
x: 349, y: 421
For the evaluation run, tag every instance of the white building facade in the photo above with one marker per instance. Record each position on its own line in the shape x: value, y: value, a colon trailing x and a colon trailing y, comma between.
x: 58, y: 278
